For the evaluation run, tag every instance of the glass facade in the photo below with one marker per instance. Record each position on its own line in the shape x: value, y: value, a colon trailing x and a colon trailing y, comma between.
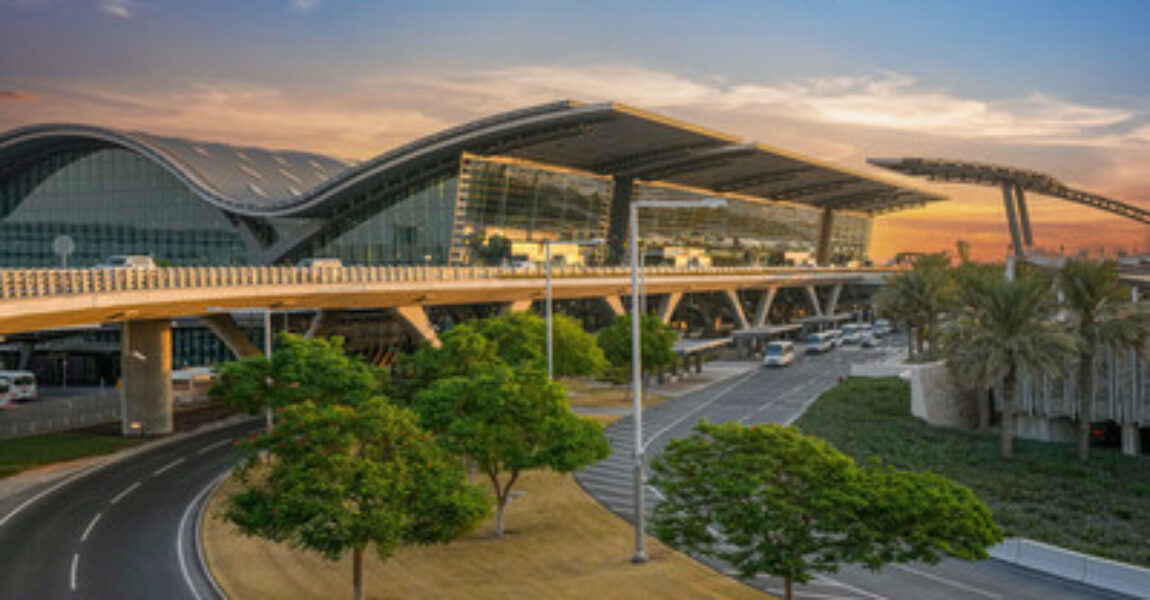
x: 746, y: 231
x: 110, y: 201
x: 413, y: 229
x: 505, y: 201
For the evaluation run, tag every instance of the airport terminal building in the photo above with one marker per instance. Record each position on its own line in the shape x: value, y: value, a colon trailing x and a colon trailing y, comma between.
x: 486, y: 192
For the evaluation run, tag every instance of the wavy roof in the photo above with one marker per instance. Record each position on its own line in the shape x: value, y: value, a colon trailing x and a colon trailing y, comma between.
x: 608, y: 139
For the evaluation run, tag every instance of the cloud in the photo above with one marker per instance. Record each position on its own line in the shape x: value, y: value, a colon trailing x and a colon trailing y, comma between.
x: 885, y: 100
x: 122, y: 9
x: 15, y: 96
x: 304, y: 5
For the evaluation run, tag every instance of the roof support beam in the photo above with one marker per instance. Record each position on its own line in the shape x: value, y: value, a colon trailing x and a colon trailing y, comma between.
x: 754, y: 181
x: 1012, y: 219
x: 1024, y: 217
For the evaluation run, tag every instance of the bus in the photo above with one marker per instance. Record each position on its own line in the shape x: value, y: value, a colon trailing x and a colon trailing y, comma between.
x: 822, y: 341
x: 191, y: 384
x: 23, y: 384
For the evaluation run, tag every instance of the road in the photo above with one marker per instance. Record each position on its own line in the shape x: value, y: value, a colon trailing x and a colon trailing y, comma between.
x: 780, y: 396
x: 126, y: 530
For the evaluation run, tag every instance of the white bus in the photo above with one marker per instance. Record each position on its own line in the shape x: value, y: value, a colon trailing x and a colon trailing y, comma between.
x: 6, y: 393
x: 191, y: 384
x: 822, y: 341
x: 778, y: 354
x: 23, y: 385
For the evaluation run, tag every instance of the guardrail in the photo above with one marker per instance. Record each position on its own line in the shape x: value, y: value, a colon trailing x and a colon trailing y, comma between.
x: 37, y: 283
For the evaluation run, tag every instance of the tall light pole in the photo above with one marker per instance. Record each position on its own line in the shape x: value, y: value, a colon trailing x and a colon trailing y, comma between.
x: 640, y: 555
x: 547, y: 303
x: 268, y: 415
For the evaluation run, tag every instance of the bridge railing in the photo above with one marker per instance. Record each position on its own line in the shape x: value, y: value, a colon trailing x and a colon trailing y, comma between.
x: 36, y: 283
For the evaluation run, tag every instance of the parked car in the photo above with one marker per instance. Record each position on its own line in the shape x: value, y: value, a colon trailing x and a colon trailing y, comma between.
x: 822, y: 341
x: 883, y: 327
x: 6, y: 393
x: 852, y: 333
x: 869, y: 341
x: 128, y: 261
x: 778, y: 354
x: 836, y: 337
x: 22, y: 385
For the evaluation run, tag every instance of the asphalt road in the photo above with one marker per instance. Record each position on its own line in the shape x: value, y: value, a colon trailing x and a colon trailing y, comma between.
x: 123, y: 531
x: 780, y: 396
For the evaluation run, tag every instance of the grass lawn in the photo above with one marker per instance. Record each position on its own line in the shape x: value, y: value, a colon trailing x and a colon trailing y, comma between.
x: 1101, y: 507
x: 586, y: 393
x: 21, y: 454
x: 560, y: 544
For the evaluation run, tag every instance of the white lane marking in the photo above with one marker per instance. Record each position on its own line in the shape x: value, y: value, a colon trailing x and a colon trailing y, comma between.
x: 127, y: 491
x: 849, y: 587
x: 945, y: 581
x: 75, y: 567
x: 33, y: 499
x: 742, y: 379
x: 813, y: 595
x: 211, y: 447
x: 163, y: 469
x: 180, y: 536
x: 88, y: 529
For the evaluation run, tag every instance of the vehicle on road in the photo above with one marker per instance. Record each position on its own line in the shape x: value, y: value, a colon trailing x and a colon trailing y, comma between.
x: 23, y: 385
x: 191, y: 384
x: 869, y: 341
x: 6, y: 393
x: 822, y: 341
x: 836, y: 337
x: 883, y: 327
x: 128, y: 261
x: 320, y: 263
x: 778, y: 354
x: 852, y: 333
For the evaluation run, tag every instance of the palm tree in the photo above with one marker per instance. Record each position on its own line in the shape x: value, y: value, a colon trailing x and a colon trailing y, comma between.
x: 917, y: 297
x: 1098, y: 310
x: 1005, y: 330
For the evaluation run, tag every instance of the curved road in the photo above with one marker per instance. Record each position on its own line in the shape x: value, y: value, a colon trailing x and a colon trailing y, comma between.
x: 121, y: 531
x: 780, y: 396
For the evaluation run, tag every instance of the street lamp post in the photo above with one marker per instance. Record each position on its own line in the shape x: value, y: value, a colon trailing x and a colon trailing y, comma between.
x: 268, y: 415
x: 640, y: 555
x: 547, y: 304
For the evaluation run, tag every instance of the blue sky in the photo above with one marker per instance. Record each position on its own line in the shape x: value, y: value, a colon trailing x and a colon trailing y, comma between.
x: 1056, y: 85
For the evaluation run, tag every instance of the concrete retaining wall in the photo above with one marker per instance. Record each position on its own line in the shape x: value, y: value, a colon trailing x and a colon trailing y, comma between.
x: 1098, y: 572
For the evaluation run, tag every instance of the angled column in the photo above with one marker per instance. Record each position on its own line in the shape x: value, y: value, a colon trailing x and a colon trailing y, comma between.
x: 229, y: 332
x: 833, y: 300
x: 415, y: 317
x: 616, y: 305
x: 737, y: 308
x: 1012, y: 219
x: 519, y: 306
x: 667, y: 306
x: 1024, y: 217
x: 146, y: 385
x: 813, y: 297
x: 763, y: 309
x: 823, y: 249
x: 316, y: 325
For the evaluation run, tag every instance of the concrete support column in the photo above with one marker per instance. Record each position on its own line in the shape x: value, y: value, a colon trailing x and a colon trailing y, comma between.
x: 146, y: 365
x: 415, y: 317
x: 25, y: 356
x: 229, y: 332
x: 316, y: 324
x: 667, y: 306
x: 519, y: 306
x: 763, y: 310
x: 622, y: 191
x: 737, y: 307
x: 698, y: 362
x: 833, y: 300
x: 813, y: 296
x: 1011, y: 219
x: 1131, y: 439
x: 1024, y: 217
x: 823, y: 249
x: 616, y: 305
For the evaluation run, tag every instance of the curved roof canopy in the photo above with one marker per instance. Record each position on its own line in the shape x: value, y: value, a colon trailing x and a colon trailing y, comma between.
x: 982, y: 173
x: 607, y: 139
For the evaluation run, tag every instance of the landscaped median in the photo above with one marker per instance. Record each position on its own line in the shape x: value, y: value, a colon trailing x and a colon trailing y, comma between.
x: 21, y: 454
x: 1100, y: 507
x: 559, y: 544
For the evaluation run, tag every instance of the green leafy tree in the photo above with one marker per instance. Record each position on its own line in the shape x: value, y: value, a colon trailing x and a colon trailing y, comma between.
x: 348, y: 477
x: 1005, y: 330
x: 302, y: 369
x: 917, y: 298
x: 463, y: 350
x: 770, y: 500
x: 508, y: 420
x: 1102, y: 316
x: 656, y: 337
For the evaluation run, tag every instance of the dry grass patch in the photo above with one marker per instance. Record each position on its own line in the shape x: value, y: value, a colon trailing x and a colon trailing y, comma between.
x: 560, y: 544
x: 586, y: 393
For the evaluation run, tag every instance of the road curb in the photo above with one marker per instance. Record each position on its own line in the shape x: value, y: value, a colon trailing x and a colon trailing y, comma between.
x: 205, y: 568
x: 1102, y: 573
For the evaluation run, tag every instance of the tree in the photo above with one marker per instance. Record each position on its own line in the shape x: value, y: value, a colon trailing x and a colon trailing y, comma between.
x: 1102, y: 316
x: 507, y: 420
x: 301, y: 369
x: 348, y: 477
x: 770, y: 500
x: 1006, y: 330
x: 463, y: 350
x: 522, y: 338
x: 656, y: 337
x: 917, y: 297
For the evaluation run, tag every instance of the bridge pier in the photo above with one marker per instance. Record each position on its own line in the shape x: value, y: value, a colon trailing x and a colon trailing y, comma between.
x: 519, y: 306
x: 667, y: 306
x: 415, y: 317
x: 833, y: 300
x: 225, y: 328
x: 616, y: 305
x: 146, y: 390
x: 813, y: 296
x: 763, y: 309
x: 737, y: 308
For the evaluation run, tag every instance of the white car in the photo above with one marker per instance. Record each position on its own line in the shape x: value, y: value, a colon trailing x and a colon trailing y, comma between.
x: 22, y: 385
x: 778, y: 354
x: 852, y: 333
x: 128, y: 261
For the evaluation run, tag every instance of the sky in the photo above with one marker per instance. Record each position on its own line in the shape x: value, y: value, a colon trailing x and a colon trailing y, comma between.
x: 1058, y: 86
